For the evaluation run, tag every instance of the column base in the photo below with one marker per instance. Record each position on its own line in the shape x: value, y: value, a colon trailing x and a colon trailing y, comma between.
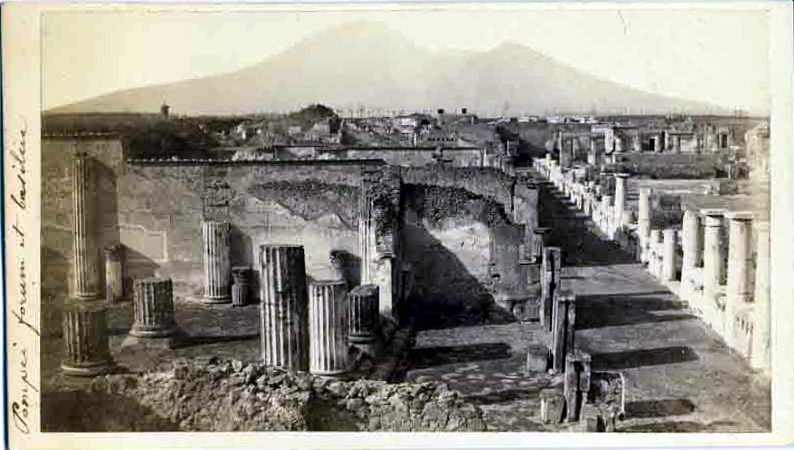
x: 217, y: 300
x: 88, y: 369
x: 158, y: 332
x: 177, y: 338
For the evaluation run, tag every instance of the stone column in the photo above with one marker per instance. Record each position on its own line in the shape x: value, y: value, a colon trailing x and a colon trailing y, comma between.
x: 691, y: 243
x: 241, y: 287
x: 550, y: 282
x: 644, y: 221
x: 217, y: 268
x: 328, y: 327
x: 576, y: 383
x: 761, y: 312
x: 712, y: 263
x: 86, y: 346
x: 114, y: 273
x: 285, y: 313
x: 539, y: 242
x: 654, y: 265
x: 153, y: 306
x: 669, y: 256
x: 563, y: 331
x: 86, y: 271
x: 606, y: 217
x: 740, y: 263
x: 620, y: 198
x: 363, y: 315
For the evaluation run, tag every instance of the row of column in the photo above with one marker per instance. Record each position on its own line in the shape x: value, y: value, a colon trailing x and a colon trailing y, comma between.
x: 310, y: 329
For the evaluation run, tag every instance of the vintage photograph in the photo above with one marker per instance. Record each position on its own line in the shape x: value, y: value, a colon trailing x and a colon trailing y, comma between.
x: 406, y: 220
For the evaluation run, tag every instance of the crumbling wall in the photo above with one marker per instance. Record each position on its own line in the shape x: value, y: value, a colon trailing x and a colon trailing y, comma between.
x: 486, y: 182
x: 231, y: 396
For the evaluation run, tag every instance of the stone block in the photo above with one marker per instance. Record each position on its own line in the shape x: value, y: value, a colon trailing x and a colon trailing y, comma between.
x: 551, y: 405
x: 537, y: 358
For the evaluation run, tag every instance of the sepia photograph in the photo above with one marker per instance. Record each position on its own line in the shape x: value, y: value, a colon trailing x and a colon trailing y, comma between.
x: 398, y: 219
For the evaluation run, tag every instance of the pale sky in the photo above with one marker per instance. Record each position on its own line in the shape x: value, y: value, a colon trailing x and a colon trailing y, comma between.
x: 717, y: 56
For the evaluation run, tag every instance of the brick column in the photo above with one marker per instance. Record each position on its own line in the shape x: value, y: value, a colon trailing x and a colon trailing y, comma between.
x: 86, y: 346
x: 86, y: 272
x: 761, y: 311
x: 328, y: 327
x: 712, y: 263
x: 153, y: 306
x: 217, y: 268
x: 285, y: 315
x: 740, y: 263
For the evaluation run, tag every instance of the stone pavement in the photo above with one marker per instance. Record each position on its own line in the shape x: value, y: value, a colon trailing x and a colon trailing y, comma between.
x: 679, y: 375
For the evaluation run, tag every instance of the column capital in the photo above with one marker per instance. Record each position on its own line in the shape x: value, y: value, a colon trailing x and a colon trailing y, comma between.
x: 739, y: 215
x: 713, y: 216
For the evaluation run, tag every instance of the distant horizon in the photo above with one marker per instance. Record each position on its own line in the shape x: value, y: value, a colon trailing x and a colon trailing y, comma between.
x: 755, y: 87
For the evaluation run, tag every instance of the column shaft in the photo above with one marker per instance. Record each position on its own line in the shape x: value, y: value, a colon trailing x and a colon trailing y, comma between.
x: 644, y: 221
x: 669, y: 256
x: 86, y: 346
x: 327, y: 327
x: 217, y: 267
x: 153, y: 307
x: 740, y: 262
x: 712, y: 264
x: 86, y: 272
x: 691, y: 243
x: 761, y: 306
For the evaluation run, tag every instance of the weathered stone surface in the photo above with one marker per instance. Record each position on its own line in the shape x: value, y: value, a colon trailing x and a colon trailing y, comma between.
x: 153, y: 306
x: 537, y: 358
x: 552, y: 404
x: 87, y: 351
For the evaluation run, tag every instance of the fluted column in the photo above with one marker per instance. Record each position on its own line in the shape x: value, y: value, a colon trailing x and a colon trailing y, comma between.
x: 366, y: 240
x: 86, y: 345
x: 217, y: 268
x: 285, y: 314
x: 114, y: 276
x: 669, y: 255
x: 691, y: 243
x: 712, y: 263
x: 363, y: 314
x: 740, y: 263
x: 241, y: 285
x: 761, y: 308
x: 86, y: 272
x: 644, y: 221
x: 328, y: 327
x: 153, y: 308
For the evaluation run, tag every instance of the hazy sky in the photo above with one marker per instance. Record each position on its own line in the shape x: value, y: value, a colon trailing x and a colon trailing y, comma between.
x: 717, y: 56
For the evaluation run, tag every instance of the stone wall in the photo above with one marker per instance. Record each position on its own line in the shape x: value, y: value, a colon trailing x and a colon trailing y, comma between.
x: 458, y: 157
x: 231, y: 396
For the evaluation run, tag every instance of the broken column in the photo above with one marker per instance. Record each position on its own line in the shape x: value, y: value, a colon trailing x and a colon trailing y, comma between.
x: 712, y: 263
x: 241, y: 285
x: 153, y: 306
x: 217, y: 268
x: 669, y: 255
x: 563, y: 332
x: 86, y: 345
x: 114, y: 275
x: 86, y: 274
x: 691, y: 246
x: 644, y: 221
x: 761, y: 312
x: 740, y: 263
x: 285, y: 314
x: 328, y: 327
x: 576, y: 383
x: 550, y: 279
x: 363, y: 318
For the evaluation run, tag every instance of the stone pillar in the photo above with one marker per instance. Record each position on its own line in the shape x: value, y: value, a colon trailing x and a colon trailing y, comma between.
x: 86, y: 346
x: 563, y: 332
x: 552, y: 403
x: 550, y: 279
x: 114, y: 273
x: 540, y: 240
x: 620, y: 198
x: 217, y: 268
x: 740, y: 263
x: 576, y: 383
x: 644, y: 221
x: 86, y: 272
x: 712, y: 263
x: 241, y: 287
x: 285, y: 315
x: 606, y: 217
x: 669, y: 256
x: 654, y: 257
x: 761, y: 312
x: 153, y: 306
x: 691, y: 244
x: 363, y: 315
x: 328, y: 327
